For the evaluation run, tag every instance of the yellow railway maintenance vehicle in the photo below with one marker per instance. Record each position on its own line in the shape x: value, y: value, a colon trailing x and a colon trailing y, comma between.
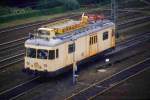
x: 54, y: 47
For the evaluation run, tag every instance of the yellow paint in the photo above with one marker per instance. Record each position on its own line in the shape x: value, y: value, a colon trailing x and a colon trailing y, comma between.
x: 83, y: 50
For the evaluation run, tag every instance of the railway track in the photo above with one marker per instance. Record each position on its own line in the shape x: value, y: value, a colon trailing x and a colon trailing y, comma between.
x: 133, y: 22
x: 130, y: 42
x: 11, y: 60
x: 22, y: 31
x: 9, y: 29
x: 17, y: 42
x: 128, y: 16
x: 15, y: 45
x: 10, y: 48
x: 124, y: 23
x: 39, y: 23
x: 26, y: 86
x: 30, y: 27
x: 101, y: 86
x: 20, y: 89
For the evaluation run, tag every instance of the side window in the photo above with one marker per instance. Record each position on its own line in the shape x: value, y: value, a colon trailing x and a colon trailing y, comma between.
x: 105, y: 35
x: 51, y: 54
x: 71, y: 48
x: 57, y: 53
x: 93, y: 39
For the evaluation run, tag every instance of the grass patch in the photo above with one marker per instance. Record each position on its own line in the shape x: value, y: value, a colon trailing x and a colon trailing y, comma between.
x: 35, y: 13
x: 47, y: 16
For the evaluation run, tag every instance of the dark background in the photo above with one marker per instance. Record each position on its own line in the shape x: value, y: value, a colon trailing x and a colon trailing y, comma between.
x: 30, y: 3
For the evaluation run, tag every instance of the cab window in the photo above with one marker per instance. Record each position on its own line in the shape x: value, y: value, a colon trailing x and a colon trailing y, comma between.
x: 51, y: 54
x: 31, y: 52
x: 42, y: 54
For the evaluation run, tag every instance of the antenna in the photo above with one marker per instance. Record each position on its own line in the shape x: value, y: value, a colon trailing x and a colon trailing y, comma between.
x: 83, y: 15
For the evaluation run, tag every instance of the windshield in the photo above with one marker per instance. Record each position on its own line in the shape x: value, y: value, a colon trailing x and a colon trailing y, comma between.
x: 42, y: 54
x: 31, y: 52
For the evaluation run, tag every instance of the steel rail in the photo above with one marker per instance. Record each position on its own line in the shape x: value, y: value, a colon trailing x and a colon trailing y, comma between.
x: 133, y: 20
x: 99, y: 82
x: 11, y: 63
x: 3, y: 95
x: 11, y: 57
x: 24, y: 87
x: 119, y: 24
x: 16, y: 40
x: 11, y: 46
x: 26, y: 37
x: 40, y: 23
x: 131, y: 42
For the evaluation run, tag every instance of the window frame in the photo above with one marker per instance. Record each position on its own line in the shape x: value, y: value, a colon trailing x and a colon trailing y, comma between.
x: 40, y: 57
x: 105, y: 35
x: 52, y: 56
x: 93, y: 39
x: 57, y: 53
x: 90, y: 40
x: 71, y: 48
x: 35, y: 52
